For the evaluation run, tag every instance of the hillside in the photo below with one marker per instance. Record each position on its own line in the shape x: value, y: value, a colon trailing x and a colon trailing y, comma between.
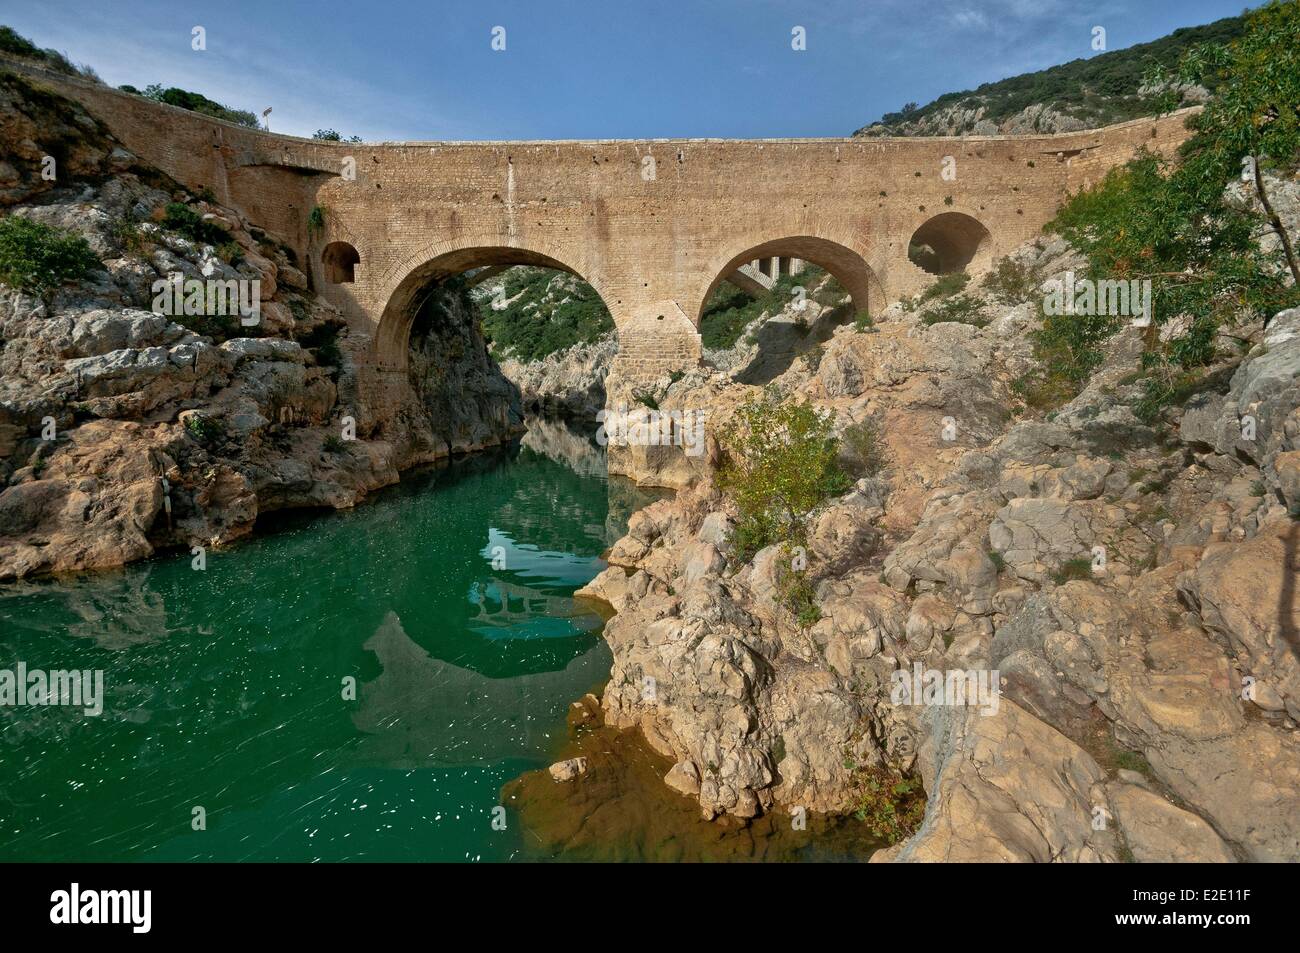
x: 1081, y: 94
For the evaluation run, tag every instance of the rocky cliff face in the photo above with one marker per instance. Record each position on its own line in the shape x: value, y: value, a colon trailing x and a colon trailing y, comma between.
x: 568, y: 383
x: 1132, y: 586
x: 123, y: 431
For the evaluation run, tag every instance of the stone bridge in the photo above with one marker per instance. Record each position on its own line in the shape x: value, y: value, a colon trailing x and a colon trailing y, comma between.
x: 653, y: 225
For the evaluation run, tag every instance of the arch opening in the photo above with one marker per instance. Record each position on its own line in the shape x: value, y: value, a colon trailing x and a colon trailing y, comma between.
x: 339, y: 261
x: 482, y: 314
x: 785, y: 295
x: 479, y: 270
x: 948, y: 243
x: 771, y: 270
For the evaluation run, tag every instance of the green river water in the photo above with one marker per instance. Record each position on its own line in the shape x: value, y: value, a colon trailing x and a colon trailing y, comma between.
x: 447, y: 599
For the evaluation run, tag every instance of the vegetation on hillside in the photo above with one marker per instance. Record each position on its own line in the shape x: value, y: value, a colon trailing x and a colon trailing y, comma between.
x: 547, y: 311
x: 891, y: 804
x: 1169, y: 223
x: 1099, y: 90
x: 195, y: 102
x: 14, y: 44
x: 185, y: 221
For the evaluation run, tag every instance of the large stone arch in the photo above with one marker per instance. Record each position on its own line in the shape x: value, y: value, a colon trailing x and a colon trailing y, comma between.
x: 849, y: 266
x: 958, y: 242
x: 402, y: 283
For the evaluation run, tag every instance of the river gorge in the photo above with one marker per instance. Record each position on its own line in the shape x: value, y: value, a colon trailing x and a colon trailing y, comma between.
x: 356, y: 685
x: 225, y: 687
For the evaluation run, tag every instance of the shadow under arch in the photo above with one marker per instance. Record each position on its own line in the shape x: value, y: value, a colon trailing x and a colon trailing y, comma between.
x: 392, y: 337
x: 954, y: 241
x: 847, y: 266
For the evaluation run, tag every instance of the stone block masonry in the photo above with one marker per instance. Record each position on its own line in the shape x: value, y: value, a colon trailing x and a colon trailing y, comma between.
x: 653, y: 225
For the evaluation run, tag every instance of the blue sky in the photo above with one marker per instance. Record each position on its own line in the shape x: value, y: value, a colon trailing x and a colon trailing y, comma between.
x: 585, y: 69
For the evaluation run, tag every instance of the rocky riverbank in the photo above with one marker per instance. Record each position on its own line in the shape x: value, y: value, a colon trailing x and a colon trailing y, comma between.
x: 124, y: 431
x: 1132, y: 585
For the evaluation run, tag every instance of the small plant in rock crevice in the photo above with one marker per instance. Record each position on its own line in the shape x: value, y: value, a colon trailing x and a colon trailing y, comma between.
x: 889, y: 803
x: 1077, y: 568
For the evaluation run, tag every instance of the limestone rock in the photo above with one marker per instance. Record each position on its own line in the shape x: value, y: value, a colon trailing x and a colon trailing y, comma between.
x: 568, y: 770
x: 1158, y: 832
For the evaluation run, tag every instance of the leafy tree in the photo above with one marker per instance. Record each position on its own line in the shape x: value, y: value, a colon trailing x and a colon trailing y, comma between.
x: 1254, y: 117
x: 197, y: 102
x: 781, y: 463
x: 331, y: 135
x: 1168, y: 223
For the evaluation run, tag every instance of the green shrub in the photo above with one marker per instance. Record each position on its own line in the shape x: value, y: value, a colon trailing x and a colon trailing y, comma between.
x: 1012, y: 282
x: 796, y: 591
x: 232, y: 253
x: 330, y: 135
x: 205, y: 430
x: 322, y: 341
x: 862, y: 322
x: 960, y: 309
x: 861, y: 449
x: 37, y: 258
x: 945, y: 286
x: 126, y: 231
x: 781, y: 463
x: 185, y: 221
x: 316, y: 220
x: 197, y: 102
x: 335, y: 444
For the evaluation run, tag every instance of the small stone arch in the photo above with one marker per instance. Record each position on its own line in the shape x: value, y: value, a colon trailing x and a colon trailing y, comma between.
x: 950, y: 242
x: 339, y: 261
x: 842, y: 262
